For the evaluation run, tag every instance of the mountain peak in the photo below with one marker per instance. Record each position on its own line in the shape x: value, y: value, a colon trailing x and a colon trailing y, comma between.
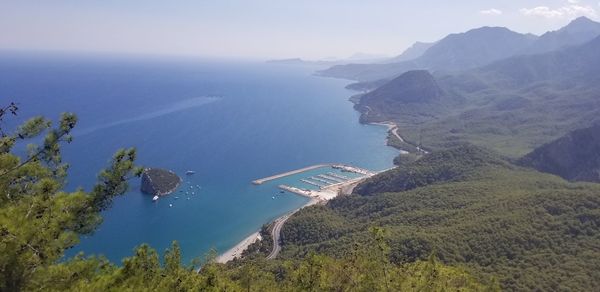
x: 581, y: 24
x: 417, y: 86
x: 582, y: 19
x: 485, y: 30
x: 577, y: 32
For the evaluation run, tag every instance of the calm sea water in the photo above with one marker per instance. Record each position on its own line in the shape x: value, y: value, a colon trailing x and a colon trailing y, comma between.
x: 231, y: 122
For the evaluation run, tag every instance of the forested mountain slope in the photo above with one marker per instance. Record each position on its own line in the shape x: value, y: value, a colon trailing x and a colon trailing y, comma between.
x: 575, y: 156
x: 469, y: 207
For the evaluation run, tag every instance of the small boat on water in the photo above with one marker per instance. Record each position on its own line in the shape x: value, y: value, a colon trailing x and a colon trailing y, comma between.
x: 272, y: 198
x: 190, y: 172
x: 281, y: 192
x: 176, y: 198
x: 155, y: 198
x: 170, y: 205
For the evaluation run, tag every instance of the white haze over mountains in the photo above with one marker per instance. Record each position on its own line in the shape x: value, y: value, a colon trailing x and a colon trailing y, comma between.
x: 267, y: 29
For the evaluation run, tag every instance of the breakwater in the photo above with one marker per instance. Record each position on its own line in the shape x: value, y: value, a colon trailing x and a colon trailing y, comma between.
x: 277, y: 176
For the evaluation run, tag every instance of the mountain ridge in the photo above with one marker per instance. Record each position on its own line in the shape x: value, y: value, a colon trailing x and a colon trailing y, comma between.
x: 485, y: 45
x: 471, y: 49
x: 574, y: 157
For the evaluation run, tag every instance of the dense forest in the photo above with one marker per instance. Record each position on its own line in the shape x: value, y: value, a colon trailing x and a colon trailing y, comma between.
x: 575, y: 156
x: 39, y: 221
x: 470, y: 207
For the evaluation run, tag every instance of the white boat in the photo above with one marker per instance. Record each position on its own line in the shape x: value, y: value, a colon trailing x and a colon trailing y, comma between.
x: 155, y: 199
x: 190, y: 172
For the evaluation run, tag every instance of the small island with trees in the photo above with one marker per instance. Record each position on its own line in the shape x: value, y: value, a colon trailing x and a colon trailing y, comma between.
x: 159, y: 182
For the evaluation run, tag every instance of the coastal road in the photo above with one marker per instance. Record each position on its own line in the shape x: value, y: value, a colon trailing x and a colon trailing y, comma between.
x: 276, y: 233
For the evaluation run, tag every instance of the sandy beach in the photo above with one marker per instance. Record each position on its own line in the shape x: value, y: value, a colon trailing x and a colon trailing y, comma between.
x: 236, y: 251
x: 392, y: 129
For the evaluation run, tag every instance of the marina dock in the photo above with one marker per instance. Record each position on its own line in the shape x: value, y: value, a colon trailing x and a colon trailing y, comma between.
x: 333, y: 174
x: 312, y: 183
x: 331, y: 178
x: 314, y: 178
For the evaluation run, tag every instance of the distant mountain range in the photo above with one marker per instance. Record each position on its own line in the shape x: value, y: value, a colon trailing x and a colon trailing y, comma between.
x: 579, y: 31
x: 472, y: 49
x: 357, y: 57
x: 413, y: 52
x: 512, y: 105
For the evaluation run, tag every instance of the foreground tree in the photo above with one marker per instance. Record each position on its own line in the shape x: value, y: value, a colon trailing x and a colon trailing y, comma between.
x: 38, y: 220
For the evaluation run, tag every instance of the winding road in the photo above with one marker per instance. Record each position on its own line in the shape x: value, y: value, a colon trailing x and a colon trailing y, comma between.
x: 276, y: 233
x: 278, y: 224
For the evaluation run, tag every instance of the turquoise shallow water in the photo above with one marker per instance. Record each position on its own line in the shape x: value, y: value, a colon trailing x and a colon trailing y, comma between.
x: 231, y: 122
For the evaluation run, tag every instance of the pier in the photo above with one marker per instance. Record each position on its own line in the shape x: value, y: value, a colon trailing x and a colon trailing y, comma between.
x: 333, y: 174
x: 312, y: 183
x: 277, y: 176
x: 331, y: 178
x: 297, y: 191
x: 321, y: 180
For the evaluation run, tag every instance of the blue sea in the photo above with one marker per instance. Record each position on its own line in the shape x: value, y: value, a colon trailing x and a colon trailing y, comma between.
x: 229, y: 121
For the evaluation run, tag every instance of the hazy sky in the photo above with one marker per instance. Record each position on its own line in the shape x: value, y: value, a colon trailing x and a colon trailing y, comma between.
x: 266, y: 28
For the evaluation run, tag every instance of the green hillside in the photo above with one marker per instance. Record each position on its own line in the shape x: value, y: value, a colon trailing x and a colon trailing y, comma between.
x: 470, y: 207
x: 575, y: 156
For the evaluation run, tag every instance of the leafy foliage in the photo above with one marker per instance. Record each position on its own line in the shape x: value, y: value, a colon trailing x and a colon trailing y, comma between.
x: 38, y: 220
x: 363, y: 272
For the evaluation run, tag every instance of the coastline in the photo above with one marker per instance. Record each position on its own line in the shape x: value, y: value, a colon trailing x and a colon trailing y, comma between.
x: 238, y: 249
x: 393, y: 130
x: 316, y: 197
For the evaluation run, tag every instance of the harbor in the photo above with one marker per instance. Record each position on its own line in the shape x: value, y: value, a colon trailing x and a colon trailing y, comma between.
x: 338, y: 179
x: 342, y: 167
